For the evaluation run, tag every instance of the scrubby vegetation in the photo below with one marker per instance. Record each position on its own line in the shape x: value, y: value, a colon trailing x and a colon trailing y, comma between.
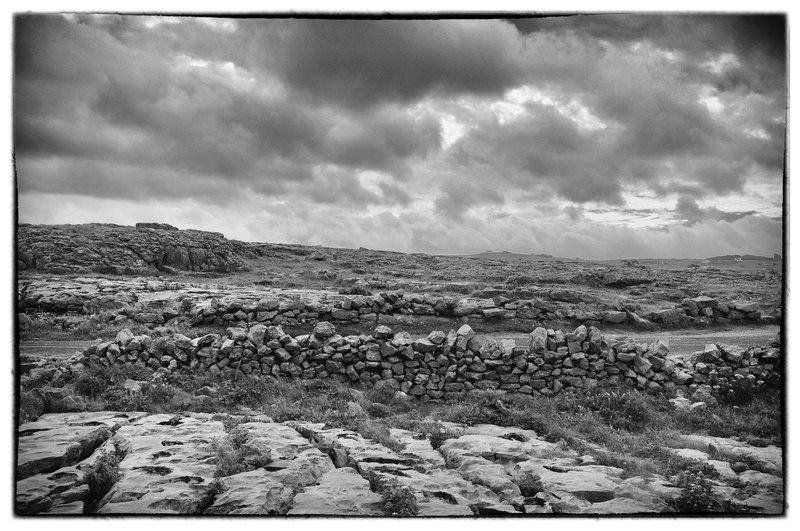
x: 397, y: 500
x: 626, y: 429
x: 235, y: 456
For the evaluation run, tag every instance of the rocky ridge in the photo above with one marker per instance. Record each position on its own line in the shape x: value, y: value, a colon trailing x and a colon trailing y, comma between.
x: 148, y: 248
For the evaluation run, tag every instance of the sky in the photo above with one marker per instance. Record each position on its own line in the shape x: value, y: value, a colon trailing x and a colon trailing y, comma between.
x: 592, y: 136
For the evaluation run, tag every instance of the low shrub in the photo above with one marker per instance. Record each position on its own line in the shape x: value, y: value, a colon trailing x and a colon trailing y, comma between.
x: 530, y: 485
x: 397, y: 499
x: 234, y: 456
x: 698, y: 496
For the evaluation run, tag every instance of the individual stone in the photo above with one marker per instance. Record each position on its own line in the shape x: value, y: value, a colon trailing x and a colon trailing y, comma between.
x: 437, y: 337
x: 660, y: 347
x: 538, y: 342
x: 323, y: 330
x: 614, y: 317
x: 466, y: 332
x: 256, y: 334
x: 382, y: 332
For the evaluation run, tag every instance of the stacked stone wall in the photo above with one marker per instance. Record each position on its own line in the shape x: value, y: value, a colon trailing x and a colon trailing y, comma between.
x: 442, y: 365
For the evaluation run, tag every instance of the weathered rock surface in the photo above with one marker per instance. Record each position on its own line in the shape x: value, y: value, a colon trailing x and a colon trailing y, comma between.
x: 254, y: 492
x: 170, y: 465
x: 107, y: 248
x: 340, y: 492
x: 57, y: 440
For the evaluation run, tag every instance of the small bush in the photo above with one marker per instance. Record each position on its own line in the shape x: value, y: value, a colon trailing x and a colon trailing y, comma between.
x: 698, y: 496
x: 435, y: 433
x: 530, y: 485
x: 235, y: 457
x: 397, y: 499
x: 629, y: 410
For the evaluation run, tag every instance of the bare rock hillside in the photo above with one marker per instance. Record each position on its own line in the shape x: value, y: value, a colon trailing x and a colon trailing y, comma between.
x: 145, y: 249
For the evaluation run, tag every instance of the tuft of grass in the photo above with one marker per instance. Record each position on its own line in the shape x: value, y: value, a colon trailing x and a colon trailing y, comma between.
x: 234, y: 456
x: 396, y: 499
x: 103, y: 475
x: 698, y: 496
x: 530, y: 485
x: 435, y: 433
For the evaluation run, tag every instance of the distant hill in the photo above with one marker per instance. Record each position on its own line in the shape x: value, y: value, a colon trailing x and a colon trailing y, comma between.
x: 145, y: 249
x: 729, y: 257
x: 509, y: 256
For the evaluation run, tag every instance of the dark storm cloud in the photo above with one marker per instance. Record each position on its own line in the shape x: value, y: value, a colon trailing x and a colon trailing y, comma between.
x: 99, y: 89
x: 382, y: 140
x: 691, y: 213
x: 757, y: 41
x: 361, y: 63
x: 408, y: 120
x: 458, y: 197
x: 546, y: 149
x: 338, y: 188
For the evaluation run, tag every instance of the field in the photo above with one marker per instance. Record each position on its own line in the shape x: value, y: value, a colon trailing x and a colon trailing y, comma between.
x: 369, y: 447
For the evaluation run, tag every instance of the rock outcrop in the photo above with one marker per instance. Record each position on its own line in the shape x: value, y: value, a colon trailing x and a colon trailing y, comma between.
x: 147, y: 248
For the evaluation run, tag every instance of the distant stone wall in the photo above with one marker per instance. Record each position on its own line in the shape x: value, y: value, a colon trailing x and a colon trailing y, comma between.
x: 392, y: 307
x: 443, y: 365
x: 698, y: 311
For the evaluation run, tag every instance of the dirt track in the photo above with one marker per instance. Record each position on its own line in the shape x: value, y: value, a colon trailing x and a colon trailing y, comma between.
x: 60, y: 349
x: 683, y: 341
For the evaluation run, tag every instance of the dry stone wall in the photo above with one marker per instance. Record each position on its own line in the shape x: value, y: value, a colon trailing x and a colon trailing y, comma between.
x: 158, y: 302
x: 442, y: 365
x: 698, y: 311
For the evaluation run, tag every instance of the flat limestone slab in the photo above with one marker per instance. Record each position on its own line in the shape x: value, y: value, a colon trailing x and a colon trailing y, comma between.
x: 56, y: 440
x: 168, y: 467
x: 253, y: 492
x: 341, y: 492
x: 419, y: 448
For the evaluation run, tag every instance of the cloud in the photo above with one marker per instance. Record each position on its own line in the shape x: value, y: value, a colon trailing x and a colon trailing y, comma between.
x: 91, y: 100
x: 361, y: 63
x: 436, y: 135
x: 459, y: 197
x: 691, y: 213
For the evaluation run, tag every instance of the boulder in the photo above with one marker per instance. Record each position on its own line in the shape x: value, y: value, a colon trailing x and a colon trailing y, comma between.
x: 538, y: 342
x: 614, y: 317
x: 323, y: 330
x: 466, y: 332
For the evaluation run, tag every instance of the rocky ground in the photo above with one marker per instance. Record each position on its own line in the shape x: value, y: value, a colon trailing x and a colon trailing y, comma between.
x: 123, y: 438
x: 138, y: 463
x: 191, y: 258
x: 145, y: 249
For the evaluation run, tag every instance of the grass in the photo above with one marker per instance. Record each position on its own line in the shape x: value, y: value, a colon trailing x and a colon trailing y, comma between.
x: 626, y: 429
x: 103, y: 475
x: 396, y: 499
x: 234, y: 456
x: 530, y: 485
x: 697, y: 496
